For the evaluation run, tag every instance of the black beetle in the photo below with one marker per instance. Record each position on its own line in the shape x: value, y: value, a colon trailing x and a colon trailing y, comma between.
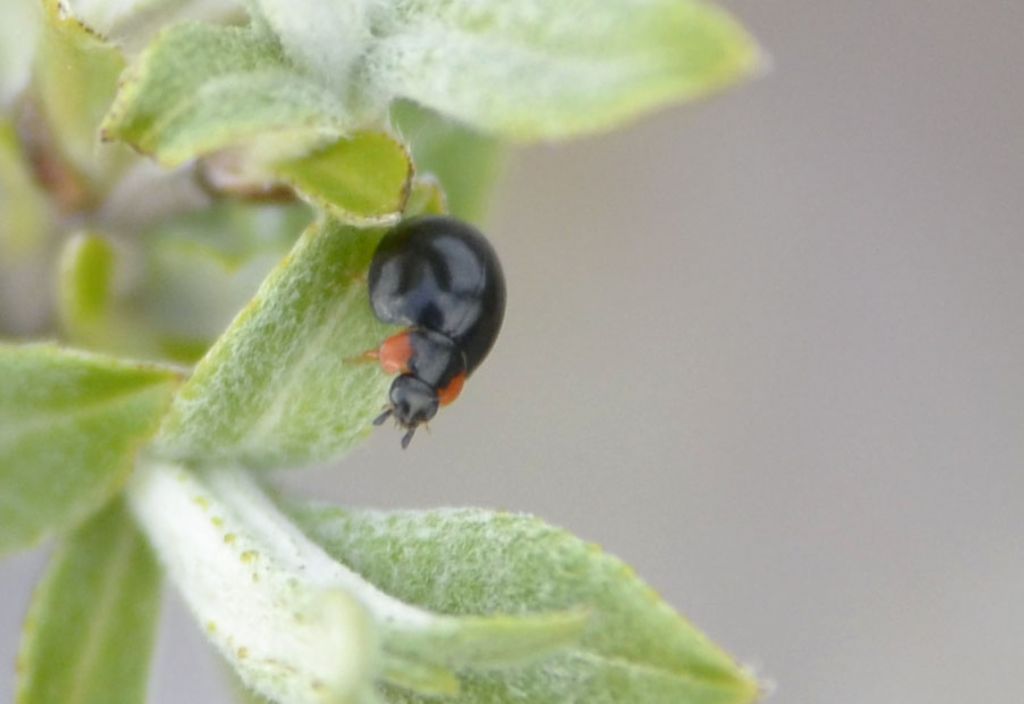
x: 440, y: 278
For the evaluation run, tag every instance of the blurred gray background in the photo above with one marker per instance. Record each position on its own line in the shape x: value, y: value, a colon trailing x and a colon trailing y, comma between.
x: 767, y: 349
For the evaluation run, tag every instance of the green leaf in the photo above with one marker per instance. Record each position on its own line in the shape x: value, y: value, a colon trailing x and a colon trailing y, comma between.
x: 70, y: 425
x: 84, y: 295
x: 466, y: 162
x: 530, y: 69
x: 427, y: 197
x: 24, y: 217
x: 242, y: 694
x: 204, y: 267
x: 198, y: 270
x: 133, y: 23
x: 91, y: 629
x: 201, y: 88
x: 231, y: 233
x: 298, y: 626
x: 363, y: 180
x: 542, y: 70
x: 282, y: 387
x: 636, y: 648
x: 26, y: 227
x: 76, y: 76
x: 264, y: 598
x: 326, y: 36
x: 19, y: 31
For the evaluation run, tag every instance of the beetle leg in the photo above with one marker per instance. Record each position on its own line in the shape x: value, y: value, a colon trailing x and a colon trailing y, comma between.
x: 407, y: 438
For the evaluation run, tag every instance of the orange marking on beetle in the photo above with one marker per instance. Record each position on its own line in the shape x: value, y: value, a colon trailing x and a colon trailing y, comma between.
x: 395, y: 354
x: 451, y: 392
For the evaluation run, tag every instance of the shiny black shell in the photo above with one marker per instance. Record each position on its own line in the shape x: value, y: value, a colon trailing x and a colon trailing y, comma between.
x: 440, y: 274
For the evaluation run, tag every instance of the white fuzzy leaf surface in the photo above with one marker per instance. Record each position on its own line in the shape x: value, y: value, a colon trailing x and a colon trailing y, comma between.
x: 528, y: 69
x: 298, y: 626
x: 635, y: 647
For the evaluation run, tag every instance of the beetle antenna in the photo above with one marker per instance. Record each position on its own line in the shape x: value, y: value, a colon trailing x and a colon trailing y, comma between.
x: 383, y: 416
x: 407, y: 438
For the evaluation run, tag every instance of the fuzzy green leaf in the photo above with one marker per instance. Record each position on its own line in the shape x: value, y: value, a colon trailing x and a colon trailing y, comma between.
x: 204, y: 267
x: 282, y: 386
x: 131, y: 23
x: 466, y: 162
x: 298, y: 626
x: 530, y: 69
x: 427, y: 197
x: 24, y: 217
x: 636, y: 648
x: 19, y: 31
x: 84, y: 287
x: 91, y: 629
x: 26, y: 227
x: 201, y: 88
x: 76, y: 75
x: 255, y: 585
x: 70, y: 424
x: 326, y: 36
x: 541, y: 70
x: 363, y: 180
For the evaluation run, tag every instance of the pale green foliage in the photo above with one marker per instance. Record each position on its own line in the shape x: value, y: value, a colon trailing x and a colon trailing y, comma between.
x: 289, y: 633
x: 70, y: 425
x: 465, y: 161
x: 134, y: 22
x: 24, y: 216
x: 319, y: 605
x: 202, y: 268
x: 198, y: 270
x: 76, y: 80
x: 26, y: 225
x: 561, y: 68
x: 364, y: 180
x: 298, y: 626
x: 305, y: 75
x: 90, y: 631
x: 468, y: 561
x: 200, y: 88
x: 529, y: 69
x: 283, y: 386
x: 84, y: 288
x: 19, y: 29
x: 325, y: 36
